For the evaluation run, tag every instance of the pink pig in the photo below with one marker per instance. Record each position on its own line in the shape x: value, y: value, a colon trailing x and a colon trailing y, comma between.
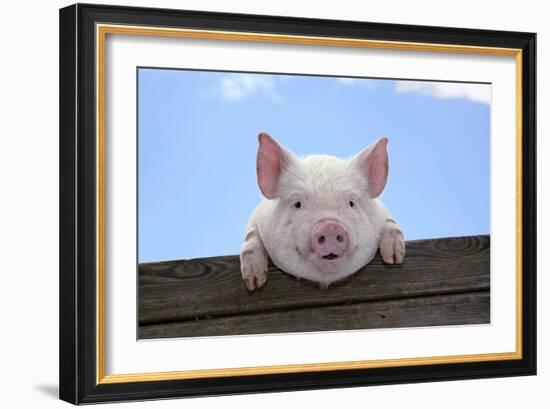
x: 320, y: 219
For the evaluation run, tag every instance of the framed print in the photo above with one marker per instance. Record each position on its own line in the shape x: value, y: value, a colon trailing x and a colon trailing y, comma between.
x: 258, y: 203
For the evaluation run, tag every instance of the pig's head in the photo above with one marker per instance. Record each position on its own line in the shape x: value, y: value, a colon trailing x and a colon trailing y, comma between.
x: 325, y: 223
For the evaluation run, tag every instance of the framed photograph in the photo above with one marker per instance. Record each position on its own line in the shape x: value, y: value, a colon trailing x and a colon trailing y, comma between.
x: 258, y: 203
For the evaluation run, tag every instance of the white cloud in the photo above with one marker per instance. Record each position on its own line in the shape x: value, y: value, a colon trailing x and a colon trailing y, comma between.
x: 238, y: 87
x: 363, y: 82
x: 346, y: 81
x: 473, y: 92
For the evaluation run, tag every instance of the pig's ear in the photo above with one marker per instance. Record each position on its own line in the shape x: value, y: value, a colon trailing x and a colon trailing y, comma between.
x: 271, y: 161
x: 373, y: 163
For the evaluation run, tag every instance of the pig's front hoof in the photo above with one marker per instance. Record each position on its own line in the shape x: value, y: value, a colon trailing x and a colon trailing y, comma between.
x: 254, y: 282
x: 254, y: 270
x: 392, y: 246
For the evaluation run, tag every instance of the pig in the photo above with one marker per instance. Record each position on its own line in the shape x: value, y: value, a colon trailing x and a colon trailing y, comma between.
x: 320, y: 219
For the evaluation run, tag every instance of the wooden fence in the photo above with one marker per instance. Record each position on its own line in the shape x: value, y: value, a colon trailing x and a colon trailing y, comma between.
x: 443, y: 282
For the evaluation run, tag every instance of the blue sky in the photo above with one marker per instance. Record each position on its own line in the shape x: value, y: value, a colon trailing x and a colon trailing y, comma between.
x: 198, y: 140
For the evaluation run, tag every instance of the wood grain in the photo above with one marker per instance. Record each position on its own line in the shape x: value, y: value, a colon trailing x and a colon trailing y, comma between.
x: 199, y: 289
x: 468, y: 308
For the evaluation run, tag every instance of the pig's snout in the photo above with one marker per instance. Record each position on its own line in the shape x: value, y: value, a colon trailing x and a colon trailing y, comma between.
x: 329, y: 239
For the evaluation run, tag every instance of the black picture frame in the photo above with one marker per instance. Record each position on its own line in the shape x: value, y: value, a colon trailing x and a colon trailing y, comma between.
x: 78, y: 236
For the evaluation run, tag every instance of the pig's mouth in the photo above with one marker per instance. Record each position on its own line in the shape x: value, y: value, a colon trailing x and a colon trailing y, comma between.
x: 329, y: 263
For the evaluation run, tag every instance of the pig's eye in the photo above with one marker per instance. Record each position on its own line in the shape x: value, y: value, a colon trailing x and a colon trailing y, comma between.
x: 297, y: 205
x: 351, y: 204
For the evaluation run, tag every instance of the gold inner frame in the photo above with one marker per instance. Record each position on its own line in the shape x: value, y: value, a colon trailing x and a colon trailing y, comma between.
x: 101, y: 32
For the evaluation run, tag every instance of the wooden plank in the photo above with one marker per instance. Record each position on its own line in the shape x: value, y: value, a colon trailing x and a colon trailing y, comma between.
x: 199, y: 288
x: 467, y: 308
